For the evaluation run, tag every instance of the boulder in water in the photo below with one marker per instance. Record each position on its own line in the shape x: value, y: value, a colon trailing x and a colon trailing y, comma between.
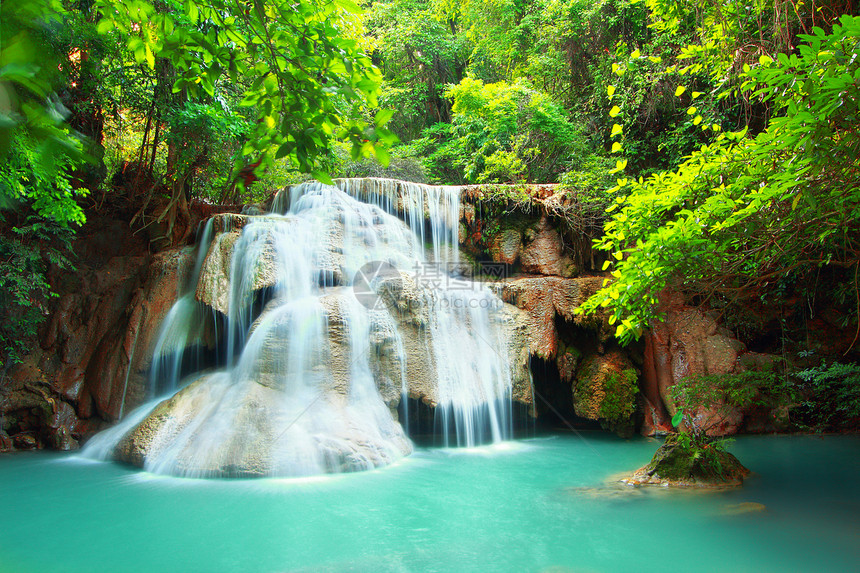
x: 681, y: 462
x: 217, y: 428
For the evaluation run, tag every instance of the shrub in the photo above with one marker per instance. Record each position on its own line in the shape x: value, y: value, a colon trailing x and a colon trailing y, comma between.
x: 500, y: 133
x: 25, y: 254
x: 829, y: 396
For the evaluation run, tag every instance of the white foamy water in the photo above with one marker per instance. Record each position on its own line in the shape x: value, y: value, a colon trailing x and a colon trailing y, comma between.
x: 321, y: 348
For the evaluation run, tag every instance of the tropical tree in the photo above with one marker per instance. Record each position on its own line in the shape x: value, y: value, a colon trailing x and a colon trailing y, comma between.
x: 37, y: 146
x: 419, y: 52
x: 502, y: 133
x: 744, y: 213
x: 302, y: 81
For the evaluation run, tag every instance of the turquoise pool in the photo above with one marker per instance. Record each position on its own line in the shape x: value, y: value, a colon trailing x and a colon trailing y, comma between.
x: 542, y: 505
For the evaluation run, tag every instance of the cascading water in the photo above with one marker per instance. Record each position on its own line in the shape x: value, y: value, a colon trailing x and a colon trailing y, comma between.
x: 332, y: 311
x: 182, y: 327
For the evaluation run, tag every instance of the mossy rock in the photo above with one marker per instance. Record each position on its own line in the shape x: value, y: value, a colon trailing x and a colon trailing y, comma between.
x: 678, y: 465
x: 605, y: 389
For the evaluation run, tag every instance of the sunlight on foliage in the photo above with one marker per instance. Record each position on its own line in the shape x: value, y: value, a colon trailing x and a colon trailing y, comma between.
x: 501, y: 133
x: 741, y: 211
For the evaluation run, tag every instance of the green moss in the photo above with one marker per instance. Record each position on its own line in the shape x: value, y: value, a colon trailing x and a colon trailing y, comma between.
x: 619, y: 402
x: 683, y: 458
x: 568, y: 348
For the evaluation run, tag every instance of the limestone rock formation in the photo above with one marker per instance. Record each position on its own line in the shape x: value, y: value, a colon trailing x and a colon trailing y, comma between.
x: 213, y: 286
x: 6, y: 443
x: 128, y: 357
x: 605, y: 390
x: 544, y: 252
x: 37, y: 417
x: 411, y: 304
x: 281, y: 411
x: 96, y: 347
x: 216, y: 427
x: 545, y: 298
x: 691, y: 343
x: 200, y: 423
x: 323, y: 367
x: 506, y: 246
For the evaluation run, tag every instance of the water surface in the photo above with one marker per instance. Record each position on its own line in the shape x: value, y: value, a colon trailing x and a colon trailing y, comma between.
x: 534, y: 505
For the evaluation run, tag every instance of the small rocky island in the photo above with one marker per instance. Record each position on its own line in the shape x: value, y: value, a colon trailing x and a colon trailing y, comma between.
x: 682, y: 462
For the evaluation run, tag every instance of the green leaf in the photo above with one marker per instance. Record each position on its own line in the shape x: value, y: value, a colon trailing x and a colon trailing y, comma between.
x: 355, y: 152
x: 150, y: 57
x: 382, y: 155
x: 284, y: 150
x: 349, y: 6
x: 322, y: 177
x: 677, y: 418
x: 383, y: 116
x: 104, y: 26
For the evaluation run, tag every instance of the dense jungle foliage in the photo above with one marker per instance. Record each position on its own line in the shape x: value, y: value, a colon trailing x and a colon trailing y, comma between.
x: 718, y: 138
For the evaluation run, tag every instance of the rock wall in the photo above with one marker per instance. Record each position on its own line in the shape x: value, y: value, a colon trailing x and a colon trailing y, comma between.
x: 90, y: 365
x: 691, y: 342
x: 549, y: 281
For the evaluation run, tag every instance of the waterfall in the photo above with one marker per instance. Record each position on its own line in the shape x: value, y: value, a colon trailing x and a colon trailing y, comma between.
x: 182, y: 327
x: 328, y: 316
